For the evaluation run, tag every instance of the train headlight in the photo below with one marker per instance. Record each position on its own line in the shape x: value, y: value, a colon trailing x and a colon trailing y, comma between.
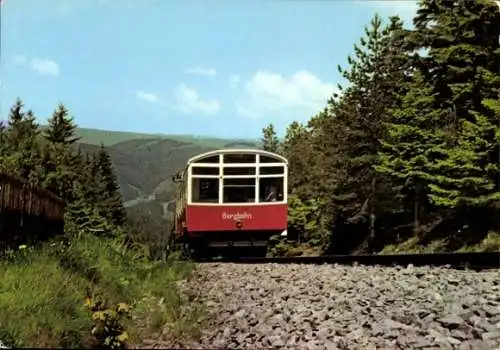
x: 239, y: 224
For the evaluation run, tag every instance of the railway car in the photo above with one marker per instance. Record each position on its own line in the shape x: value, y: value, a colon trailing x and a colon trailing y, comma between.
x: 231, y: 198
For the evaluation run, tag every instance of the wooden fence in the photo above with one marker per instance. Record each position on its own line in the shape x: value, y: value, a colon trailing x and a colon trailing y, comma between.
x: 27, y: 213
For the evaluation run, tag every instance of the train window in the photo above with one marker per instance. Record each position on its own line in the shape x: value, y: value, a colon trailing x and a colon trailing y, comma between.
x: 239, y: 190
x: 239, y: 158
x: 205, y: 190
x: 239, y: 171
x: 271, y: 189
x: 200, y: 170
x: 267, y: 159
x: 212, y: 160
x: 272, y: 170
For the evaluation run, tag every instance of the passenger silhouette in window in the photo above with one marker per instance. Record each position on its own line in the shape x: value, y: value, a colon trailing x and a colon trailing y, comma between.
x: 271, y: 194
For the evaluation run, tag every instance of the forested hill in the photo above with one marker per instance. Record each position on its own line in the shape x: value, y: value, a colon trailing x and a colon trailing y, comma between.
x: 403, y: 158
x: 98, y: 285
x: 408, y: 152
x: 145, y: 163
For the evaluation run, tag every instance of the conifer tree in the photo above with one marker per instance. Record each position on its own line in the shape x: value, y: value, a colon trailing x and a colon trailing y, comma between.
x: 377, y: 73
x: 414, y: 134
x: 61, y: 128
x: 22, y: 126
x: 296, y: 148
x: 110, y: 201
x: 270, y: 141
x: 22, y: 148
x: 463, y: 178
x: 463, y: 65
x: 16, y: 114
x: 305, y: 181
x: 3, y: 145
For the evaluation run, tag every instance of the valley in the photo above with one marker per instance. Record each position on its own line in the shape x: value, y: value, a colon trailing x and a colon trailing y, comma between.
x: 145, y: 163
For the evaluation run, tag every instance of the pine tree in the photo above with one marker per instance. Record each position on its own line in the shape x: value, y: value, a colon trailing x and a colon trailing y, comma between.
x: 305, y: 179
x: 110, y: 202
x: 60, y: 171
x: 82, y: 215
x: 414, y: 134
x: 377, y: 74
x: 62, y: 163
x: 463, y: 178
x: 323, y: 157
x: 22, y: 147
x: 270, y: 141
x: 16, y: 114
x: 463, y: 65
x: 62, y: 128
x: 3, y: 145
x: 21, y: 126
x: 297, y: 149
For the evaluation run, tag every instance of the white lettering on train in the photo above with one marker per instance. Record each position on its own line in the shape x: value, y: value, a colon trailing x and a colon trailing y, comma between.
x: 237, y: 216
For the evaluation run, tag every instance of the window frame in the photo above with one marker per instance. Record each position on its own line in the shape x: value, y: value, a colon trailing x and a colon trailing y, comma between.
x: 221, y: 165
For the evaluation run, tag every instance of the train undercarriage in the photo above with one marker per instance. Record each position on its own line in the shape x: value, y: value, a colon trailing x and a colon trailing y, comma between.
x: 212, y: 245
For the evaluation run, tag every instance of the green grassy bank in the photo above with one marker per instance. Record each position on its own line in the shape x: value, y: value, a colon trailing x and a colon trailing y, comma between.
x: 90, y: 292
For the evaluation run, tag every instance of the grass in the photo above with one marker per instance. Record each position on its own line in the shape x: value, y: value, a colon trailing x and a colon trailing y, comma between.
x: 44, y: 289
x: 490, y: 243
x: 281, y: 248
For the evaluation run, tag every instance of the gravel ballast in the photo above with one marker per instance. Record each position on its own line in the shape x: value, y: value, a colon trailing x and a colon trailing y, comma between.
x: 347, y: 307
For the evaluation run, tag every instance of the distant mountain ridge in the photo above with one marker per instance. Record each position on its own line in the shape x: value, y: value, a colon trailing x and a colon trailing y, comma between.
x: 109, y: 138
x: 145, y: 163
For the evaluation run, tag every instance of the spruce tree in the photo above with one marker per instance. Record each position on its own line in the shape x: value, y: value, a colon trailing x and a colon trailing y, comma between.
x: 305, y: 177
x: 22, y: 126
x: 376, y: 74
x: 60, y: 170
x: 16, y: 114
x: 3, y: 145
x: 270, y: 141
x: 110, y: 200
x: 297, y: 149
x: 22, y: 147
x: 463, y: 178
x: 61, y: 128
x: 463, y: 65
x: 413, y: 137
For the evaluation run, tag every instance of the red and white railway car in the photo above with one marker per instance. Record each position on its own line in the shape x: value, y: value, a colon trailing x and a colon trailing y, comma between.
x: 231, y: 197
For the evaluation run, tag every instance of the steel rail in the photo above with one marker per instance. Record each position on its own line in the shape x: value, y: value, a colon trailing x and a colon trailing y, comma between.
x: 468, y: 260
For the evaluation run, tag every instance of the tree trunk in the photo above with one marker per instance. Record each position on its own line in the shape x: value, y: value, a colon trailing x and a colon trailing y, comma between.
x: 372, y: 212
x: 416, y: 209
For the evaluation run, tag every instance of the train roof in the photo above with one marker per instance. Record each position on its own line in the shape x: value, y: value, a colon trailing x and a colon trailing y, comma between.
x: 237, y: 150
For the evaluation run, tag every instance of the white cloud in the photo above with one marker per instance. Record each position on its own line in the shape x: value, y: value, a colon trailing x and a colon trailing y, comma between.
x: 406, y: 9
x: 272, y: 94
x: 188, y: 101
x: 234, y: 80
x: 208, y: 72
x: 45, y: 66
x: 146, y: 96
x: 42, y: 66
x: 393, y: 4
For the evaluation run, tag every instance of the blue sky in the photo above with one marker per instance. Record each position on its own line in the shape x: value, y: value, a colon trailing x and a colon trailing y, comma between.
x: 220, y: 67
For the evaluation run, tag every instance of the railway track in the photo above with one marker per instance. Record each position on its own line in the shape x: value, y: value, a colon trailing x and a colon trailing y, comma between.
x: 472, y: 260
